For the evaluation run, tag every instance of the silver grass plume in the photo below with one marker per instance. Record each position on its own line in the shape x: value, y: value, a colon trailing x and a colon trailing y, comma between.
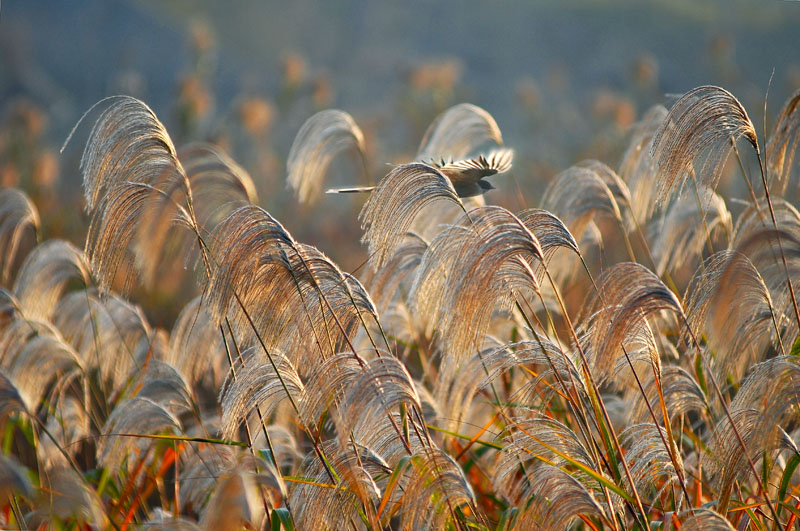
x: 135, y: 187
x: 45, y: 275
x: 136, y: 416
x: 616, y: 185
x: 547, y: 493
x: 327, y: 385
x: 18, y: 214
x: 458, y: 384
x: 553, y: 235
x: 285, y: 449
x: 753, y: 220
x: 68, y: 422
x: 297, y: 299
x: 558, y: 373
x: 206, y: 468
x: 535, y: 443
x: 324, y: 505
x: 164, y: 385
x: 339, y: 302
x: 754, y: 236
x: 705, y: 519
x: 14, y: 479
x: 127, y: 143
x: 628, y: 294
x: 250, y: 269
x: 729, y: 303
x: 652, y: 467
x: 460, y: 282
x: 637, y: 167
x: 217, y: 181
x: 579, y: 196
x: 383, y: 438
x: 201, y: 467
x: 238, y: 245
x: 218, y: 186
x: 357, y: 466
x: 576, y: 195
x: 130, y: 230
x: 162, y: 521
x: 257, y: 384
x: 435, y: 486
x: 551, y: 232
x: 11, y: 401
x: 699, y: 129
x: 195, y: 345
x: 105, y: 332
x: 430, y: 220
x: 382, y: 385
x: 767, y: 399
x: 431, y: 409
x: 434, y: 273
x: 683, y: 232
x: 397, y: 199
x: 17, y: 332
x: 763, y: 248
x: 681, y: 393
x: 385, y: 283
x: 320, y: 139
x: 234, y: 503
x: 41, y: 360
x: 558, y: 500
x: 71, y: 313
x: 641, y: 345
x: 398, y: 323
x: 459, y: 131
x: 9, y: 308
x: 68, y: 496
x: 782, y: 146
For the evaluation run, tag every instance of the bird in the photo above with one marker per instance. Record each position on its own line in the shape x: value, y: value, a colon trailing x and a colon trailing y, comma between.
x: 466, y: 175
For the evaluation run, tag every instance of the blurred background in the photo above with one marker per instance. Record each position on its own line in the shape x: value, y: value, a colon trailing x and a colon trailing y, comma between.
x: 565, y: 80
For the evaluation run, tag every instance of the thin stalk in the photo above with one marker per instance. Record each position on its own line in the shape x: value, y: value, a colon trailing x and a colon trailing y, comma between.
x: 668, y: 445
x: 582, y: 422
x: 702, y: 211
x: 595, y: 390
x: 602, y: 407
x: 20, y: 519
x: 746, y: 177
x: 625, y: 238
x: 778, y: 237
x: 597, y: 414
x: 582, y: 419
x: 246, y: 424
x: 69, y: 459
x: 352, y: 347
x: 317, y: 448
x: 724, y: 501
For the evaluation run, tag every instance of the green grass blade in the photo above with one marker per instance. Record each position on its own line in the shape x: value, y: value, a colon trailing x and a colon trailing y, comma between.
x: 281, y: 516
x: 791, y: 466
x: 465, y: 437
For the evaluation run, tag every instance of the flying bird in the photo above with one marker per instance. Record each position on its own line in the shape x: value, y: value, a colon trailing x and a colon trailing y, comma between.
x: 466, y: 175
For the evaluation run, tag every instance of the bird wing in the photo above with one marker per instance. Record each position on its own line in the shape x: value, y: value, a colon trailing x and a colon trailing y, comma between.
x: 351, y: 190
x: 474, y: 169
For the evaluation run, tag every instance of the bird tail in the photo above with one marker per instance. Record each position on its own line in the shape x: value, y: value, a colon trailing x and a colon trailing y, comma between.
x: 352, y: 190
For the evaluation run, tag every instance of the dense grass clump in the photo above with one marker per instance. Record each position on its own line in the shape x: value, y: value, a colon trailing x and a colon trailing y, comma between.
x: 623, y: 357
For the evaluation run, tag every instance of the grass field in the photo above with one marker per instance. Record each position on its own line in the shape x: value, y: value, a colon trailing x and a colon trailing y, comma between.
x: 198, y: 336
